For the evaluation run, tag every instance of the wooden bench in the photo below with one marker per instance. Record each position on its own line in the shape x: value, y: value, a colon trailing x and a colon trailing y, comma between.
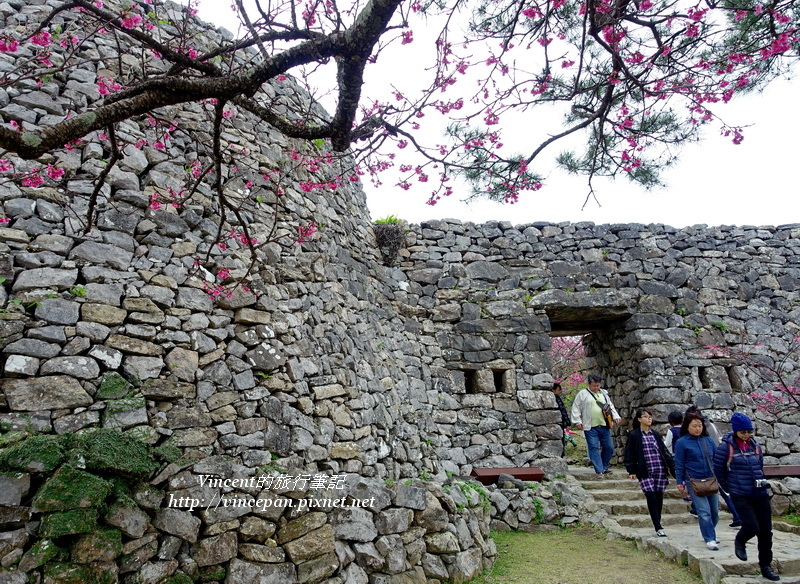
x: 780, y: 471
x: 488, y: 476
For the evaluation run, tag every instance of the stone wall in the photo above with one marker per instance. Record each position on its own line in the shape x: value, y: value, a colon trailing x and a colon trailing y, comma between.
x: 314, y: 372
x: 395, y: 378
x: 650, y: 299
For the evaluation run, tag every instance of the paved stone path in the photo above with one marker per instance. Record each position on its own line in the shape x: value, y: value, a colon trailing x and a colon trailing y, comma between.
x: 627, y: 516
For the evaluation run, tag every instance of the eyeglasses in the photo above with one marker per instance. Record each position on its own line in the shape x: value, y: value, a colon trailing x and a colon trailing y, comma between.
x: 746, y: 431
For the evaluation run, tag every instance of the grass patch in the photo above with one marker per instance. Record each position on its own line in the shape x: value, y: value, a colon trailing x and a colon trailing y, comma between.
x: 576, y: 448
x: 576, y: 556
x: 791, y: 519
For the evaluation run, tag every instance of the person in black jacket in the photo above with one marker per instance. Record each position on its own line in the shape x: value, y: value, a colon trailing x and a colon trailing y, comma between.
x: 739, y: 468
x: 648, y: 460
x: 565, y: 421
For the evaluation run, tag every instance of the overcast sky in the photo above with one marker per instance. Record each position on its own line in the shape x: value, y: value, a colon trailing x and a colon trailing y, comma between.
x: 714, y: 183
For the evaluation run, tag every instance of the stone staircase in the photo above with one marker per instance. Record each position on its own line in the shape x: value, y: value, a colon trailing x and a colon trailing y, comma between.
x: 624, y: 502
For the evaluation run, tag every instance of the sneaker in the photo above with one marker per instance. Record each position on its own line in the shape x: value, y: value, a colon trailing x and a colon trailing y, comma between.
x: 599, y: 475
x: 693, y: 513
x: 607, y: 471
x: 736, y: 524
x: 661, y: 533
x: 712, y: 545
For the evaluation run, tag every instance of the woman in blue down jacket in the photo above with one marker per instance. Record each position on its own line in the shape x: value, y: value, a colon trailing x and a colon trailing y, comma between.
x: 739, y: 466
x: 693, y: 454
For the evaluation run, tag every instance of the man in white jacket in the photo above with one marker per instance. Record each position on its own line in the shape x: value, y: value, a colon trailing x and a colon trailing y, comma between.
x: 587, y: 410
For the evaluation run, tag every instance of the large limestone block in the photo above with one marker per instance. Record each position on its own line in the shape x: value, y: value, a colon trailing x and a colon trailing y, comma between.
x: 45, y: 393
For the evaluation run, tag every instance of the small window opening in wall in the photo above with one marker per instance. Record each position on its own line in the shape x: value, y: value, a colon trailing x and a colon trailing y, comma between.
x: 704, y: 376
x: 470, y: 381
x: 498, y: 379
x: 735, y: 379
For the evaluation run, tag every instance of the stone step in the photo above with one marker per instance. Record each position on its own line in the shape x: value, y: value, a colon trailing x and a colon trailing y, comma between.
x: 684, y: 545
x: 782, y: 563
x: 609, y: 483
x: 643, y: 520
x: 758, y: 579
x: 640, y: 506
x: 623, y: 500
x: 632, y: 495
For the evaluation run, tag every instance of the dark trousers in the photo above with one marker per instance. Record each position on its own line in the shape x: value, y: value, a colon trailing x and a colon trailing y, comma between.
x: 655, y: 502
x: 731, y: 506
x: 756, y: 516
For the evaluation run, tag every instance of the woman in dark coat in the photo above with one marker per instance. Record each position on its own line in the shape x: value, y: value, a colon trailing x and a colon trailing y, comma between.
x: 739, y: 467
x: 648, y: 460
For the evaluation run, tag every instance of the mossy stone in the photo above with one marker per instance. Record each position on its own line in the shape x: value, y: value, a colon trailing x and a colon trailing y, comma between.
x: 146, y: 434
x: 67, y: 573
x: 103, y: 545
x: 72, y: 522
x: 11, y: 438
x: 36, y: 454
x: 148, y: 496
x: 212, y: 574
x: 114, y: 452
x: 40, y: 553
x: 113, y: 386
x: 179, y: 578
x: 71, y: 488
x: 125, y: 404
x: 167, y: 453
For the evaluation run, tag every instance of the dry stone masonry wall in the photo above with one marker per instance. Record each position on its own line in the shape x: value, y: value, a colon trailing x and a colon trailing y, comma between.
x: 212, y: 436
x: 651, y: 299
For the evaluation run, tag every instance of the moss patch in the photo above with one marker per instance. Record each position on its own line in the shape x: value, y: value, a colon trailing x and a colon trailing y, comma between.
x: 114, y: 452
x: 81, y: 474
x: 63, y: 523
x: 11, y: 437
x: 113, y: 386
x: 212, y: 574
x: 103, y: 545
x: 66, y: 573
x: 71, y: 488
x: 179, y: 578
x: 36, y: 454
x: 40, y: 553
x: 167, y: 453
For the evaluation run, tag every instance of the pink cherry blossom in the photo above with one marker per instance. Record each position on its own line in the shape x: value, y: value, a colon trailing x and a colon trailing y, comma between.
x: 130, y: 20
x: 304, y: 232
x: 8, y: 46
x: 42, y: 38
x: 33, y: 180
x: 54, y: 172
